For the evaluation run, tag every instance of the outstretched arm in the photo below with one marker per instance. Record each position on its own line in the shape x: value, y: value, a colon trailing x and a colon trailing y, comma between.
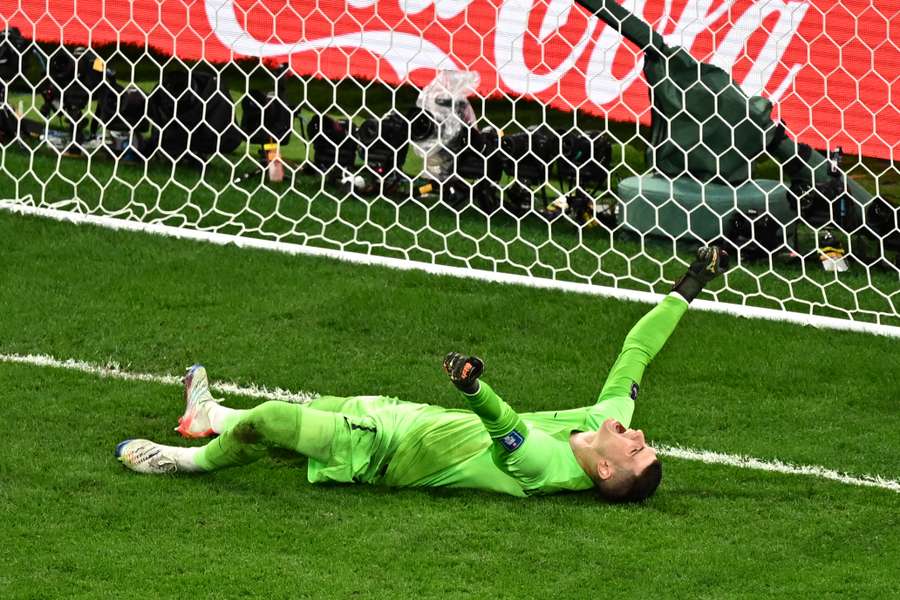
x: 641, y: 345
x: 649, y: 335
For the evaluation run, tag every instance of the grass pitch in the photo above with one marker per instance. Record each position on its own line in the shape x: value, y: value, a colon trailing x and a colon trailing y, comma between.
x: 74, y: 523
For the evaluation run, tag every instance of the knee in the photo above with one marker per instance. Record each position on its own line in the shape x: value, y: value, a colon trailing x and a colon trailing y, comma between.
x: 261, y: 423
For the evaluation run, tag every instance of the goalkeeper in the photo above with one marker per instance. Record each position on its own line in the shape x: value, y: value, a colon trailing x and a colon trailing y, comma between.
x: 380, y: 440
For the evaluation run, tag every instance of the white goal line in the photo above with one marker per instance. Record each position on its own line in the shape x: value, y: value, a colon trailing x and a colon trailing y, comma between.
x: 222, y: 239
x: 114, y: 371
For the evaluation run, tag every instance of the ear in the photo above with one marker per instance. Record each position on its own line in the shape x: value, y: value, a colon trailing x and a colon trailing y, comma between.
x: 604, y: 468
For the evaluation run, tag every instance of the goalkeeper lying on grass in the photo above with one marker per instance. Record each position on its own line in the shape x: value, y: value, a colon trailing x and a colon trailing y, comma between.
x: 379, y: 440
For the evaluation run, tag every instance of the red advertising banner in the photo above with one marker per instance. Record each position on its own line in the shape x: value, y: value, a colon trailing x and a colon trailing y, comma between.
x: 832, y: 68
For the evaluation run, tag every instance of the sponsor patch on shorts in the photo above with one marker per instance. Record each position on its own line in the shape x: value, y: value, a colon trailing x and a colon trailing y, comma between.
x: 512, y: 440
x: 635, y: 388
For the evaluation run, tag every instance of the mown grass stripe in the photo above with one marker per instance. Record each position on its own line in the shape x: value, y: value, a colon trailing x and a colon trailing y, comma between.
x: 114, y: 371
x: 57, y: 213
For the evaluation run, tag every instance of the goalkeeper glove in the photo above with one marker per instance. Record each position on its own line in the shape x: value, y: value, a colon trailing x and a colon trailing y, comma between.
x: 464, y: 371
x: 711, y: 261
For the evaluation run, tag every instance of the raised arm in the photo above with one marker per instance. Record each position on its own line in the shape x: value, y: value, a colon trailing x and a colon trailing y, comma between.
x: 503, y: 424
x: 649, y: 335
x: 527, y: 456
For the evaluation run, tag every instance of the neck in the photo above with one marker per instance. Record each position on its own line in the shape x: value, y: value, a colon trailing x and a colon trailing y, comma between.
x: 582, y: 445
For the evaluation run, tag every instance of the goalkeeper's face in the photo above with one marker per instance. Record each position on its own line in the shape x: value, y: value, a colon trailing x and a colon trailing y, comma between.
x: 624, y: 449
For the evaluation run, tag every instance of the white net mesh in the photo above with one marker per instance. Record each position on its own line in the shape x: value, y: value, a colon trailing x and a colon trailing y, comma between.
x: 512, y: 136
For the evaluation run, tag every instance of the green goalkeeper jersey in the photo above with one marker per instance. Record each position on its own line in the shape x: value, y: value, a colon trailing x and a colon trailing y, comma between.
x: 414, y: 445
x: 490, y: 447
x: 453, y: 448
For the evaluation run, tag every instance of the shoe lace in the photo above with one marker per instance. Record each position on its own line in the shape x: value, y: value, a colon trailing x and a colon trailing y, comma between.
x: 152, y: 455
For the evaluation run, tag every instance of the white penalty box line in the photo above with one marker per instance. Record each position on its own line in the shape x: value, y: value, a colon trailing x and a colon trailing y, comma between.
x: 114, y: 371
x: 221, y: 239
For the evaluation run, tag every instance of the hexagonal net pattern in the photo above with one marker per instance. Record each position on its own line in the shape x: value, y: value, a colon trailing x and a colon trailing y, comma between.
x: 592, y: 142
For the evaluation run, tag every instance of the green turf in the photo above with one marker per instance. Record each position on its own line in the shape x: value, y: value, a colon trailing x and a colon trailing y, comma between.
x: 75, y: 524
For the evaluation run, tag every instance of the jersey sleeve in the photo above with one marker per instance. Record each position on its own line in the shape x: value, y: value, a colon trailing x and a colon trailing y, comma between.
x: 503, y: 424
x: 641, y: 345
x: 515, y: 449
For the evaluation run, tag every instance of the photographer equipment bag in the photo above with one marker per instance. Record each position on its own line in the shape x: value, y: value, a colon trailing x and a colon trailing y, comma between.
x: 193, y: 116
x: 334, y: 148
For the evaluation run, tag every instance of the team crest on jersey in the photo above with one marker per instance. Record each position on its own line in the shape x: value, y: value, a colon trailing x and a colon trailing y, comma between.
x: 635, y: 388
x: 512, y: 440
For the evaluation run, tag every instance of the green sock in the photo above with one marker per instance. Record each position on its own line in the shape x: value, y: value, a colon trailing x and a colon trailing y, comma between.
x: 270, y: 425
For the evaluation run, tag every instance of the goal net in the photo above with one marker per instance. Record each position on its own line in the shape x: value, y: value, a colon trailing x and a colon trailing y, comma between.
x: 590, y: 144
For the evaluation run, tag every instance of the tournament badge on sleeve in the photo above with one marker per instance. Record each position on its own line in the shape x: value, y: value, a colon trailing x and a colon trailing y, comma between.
x: 512, y: 441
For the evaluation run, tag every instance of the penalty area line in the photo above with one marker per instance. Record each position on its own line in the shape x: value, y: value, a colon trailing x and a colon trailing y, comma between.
x: 114, y: 371
x: 776, y: 466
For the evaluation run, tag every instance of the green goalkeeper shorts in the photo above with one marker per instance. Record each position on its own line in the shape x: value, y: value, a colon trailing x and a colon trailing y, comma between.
x: 366, y: 429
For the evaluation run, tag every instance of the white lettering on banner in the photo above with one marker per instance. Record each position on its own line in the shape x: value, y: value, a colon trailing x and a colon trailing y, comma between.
x: 444, y: 9
x: 509, y: 47
x: 407, y: 52
x: 790, y: 16
x: 557, y: 15
x: 402, y: 51
x: 785, y: 83
x: 601, y: 85
x: 694, y: 19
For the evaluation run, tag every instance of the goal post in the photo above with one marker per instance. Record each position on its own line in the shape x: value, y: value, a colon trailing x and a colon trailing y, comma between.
x: 586, y: 146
